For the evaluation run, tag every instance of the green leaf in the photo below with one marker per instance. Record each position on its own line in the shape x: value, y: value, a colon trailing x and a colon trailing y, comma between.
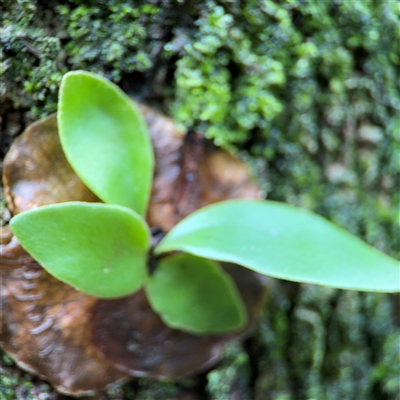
x: 195, y: 295
x: 99, y: 249
x: 106, y: 140
x: 284, y: 242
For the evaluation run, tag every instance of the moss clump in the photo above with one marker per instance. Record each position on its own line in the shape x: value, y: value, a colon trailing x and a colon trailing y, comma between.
x: 326, y: 344
x: 30, y: 69
x: 231, y: 379
x: 266, y: 67
x: 311, y: 89
x: 17, y: 385
x: 40, y: 43
x: 119, y: 40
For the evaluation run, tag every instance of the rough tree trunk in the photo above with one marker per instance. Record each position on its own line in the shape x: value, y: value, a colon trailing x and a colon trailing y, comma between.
x: 307, y: 91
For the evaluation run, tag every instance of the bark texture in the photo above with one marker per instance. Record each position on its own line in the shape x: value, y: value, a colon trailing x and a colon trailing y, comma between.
x: 307, y: 92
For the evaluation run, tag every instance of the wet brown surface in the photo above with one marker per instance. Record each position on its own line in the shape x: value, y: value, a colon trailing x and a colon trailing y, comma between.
x: 131, y: 335
x: 36, y: 171
x: 45, y: 326
x: 190, y: 173
x: 75, y: 341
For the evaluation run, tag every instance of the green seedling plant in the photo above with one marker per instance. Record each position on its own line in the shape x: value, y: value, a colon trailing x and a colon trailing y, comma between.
x: 103, y: 249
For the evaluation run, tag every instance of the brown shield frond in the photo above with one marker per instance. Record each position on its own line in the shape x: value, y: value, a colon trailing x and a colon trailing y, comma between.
x: 81, y: 344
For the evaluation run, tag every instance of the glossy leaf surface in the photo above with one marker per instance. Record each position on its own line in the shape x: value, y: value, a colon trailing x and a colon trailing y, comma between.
x: 105, y: 139
x: 99, y: 249
x: 195, y: 295
x: 284, y: 242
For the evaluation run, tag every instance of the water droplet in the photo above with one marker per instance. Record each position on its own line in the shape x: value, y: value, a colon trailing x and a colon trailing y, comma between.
x: 28, y: 297
x: 31, y: 274
x: 28, y: 285
x: 106, y: 270
x: 136, y: 335
x: 139, y: 352
x: 156, y: 359
x: 132, y: 346
x: 48, y: 322
x: 48, y: 349
x: 34, y: 317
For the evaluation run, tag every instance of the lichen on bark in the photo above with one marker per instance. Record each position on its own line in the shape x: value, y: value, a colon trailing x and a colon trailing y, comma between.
x: 307, y: 91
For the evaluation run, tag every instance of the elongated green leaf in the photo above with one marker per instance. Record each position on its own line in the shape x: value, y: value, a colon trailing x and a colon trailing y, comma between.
x: 105, y: 139
x: 196, y: 295
x: 99, y: 249
x: 285, y: 242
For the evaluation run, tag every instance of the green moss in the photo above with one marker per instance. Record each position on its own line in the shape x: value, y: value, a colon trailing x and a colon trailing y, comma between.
x: 388, y: 369
x: 231, y: 378
x: 30, y: 70
x: 17, y: 385
x: 152, y: 390
x: 304, y: 86
x: 326, y: 344
x: 115, y: 38
x: 112, y: 34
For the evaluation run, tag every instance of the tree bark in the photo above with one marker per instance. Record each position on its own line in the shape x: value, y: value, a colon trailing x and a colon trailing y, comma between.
x: 307, y: 93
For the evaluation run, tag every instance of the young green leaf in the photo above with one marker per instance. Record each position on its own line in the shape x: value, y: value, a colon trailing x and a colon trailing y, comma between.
x: 195, y: 295
x: 105, y: 139
x: 99, y: 249
x: 284, y: 242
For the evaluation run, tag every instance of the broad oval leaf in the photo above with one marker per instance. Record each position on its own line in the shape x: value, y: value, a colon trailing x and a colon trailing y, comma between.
x: 195, y: 295
x: 105, y: 139
x: 284, y: 242
x: 97, y: 248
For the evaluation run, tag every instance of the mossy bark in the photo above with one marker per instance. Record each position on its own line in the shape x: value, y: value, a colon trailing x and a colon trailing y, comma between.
x: 307, y: 92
